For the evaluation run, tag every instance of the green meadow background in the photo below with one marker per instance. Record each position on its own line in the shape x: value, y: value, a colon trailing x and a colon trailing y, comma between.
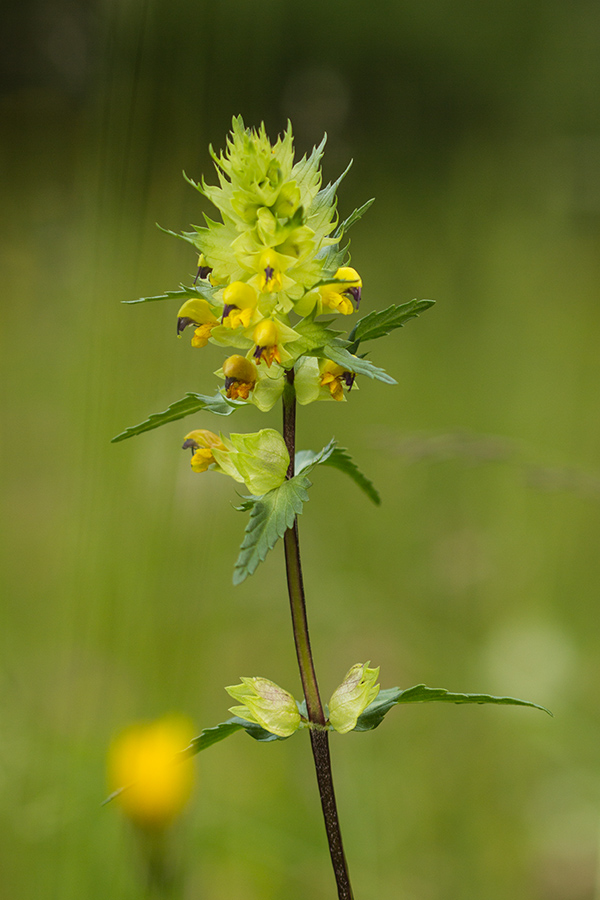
x: 476, y: 127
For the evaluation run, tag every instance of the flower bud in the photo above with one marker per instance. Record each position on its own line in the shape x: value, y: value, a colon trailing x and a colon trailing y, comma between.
x: 266, y: 704
x: 240, y: 376
x: 145, y: 761
x: 352, y: 697
x: 202, y: 443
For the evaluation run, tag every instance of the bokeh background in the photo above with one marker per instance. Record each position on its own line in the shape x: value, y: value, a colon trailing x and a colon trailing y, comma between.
x: 476, y: 127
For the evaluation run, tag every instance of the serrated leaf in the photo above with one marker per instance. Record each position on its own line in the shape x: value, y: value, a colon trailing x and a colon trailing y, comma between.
x: 337, y: 353
x: 168, y: 295
x: 188, y: 236
x: 315, y: 334
x: 200, y: 290
x: 420, y: 693
x: 340, y: 459
x: 305, y: 460
x: 337, y: 458
x: 188, y: 405
x: 305, y: 169
x: 333, y: 257
x: 352, y: 218
x: 210, y: 736
x: 271, y: 516
x: 319, y: 213
x: 380, y: 322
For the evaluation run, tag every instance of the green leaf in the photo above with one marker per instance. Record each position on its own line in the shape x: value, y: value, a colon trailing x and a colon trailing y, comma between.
x: 305, y: 460
x: 380, y: 322
x: 315, y: 334
x: 333, y: 258
x: 319, y: 213
x: 271, y: 516
x: 200, y: 290
x: 420, y: 693
x: 189, y: 404
x: 337, y: 353
x: 168, y: 295
x: 305, y: 170
x: 337, y: 458
x: 354, y: 217
x: 341, y: 459
x: 190, y: 237
x: 210, y: 736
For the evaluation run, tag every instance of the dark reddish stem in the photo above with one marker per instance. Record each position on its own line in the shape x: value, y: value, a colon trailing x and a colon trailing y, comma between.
x: 319, y: 736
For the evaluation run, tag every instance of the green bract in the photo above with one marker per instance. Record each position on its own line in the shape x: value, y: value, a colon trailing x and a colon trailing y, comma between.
x: 265, y: 703
x: 260, y: 460
x: 351, y: 698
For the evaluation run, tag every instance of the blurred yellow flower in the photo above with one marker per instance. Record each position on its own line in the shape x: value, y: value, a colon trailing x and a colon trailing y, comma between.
x: 144, y: 760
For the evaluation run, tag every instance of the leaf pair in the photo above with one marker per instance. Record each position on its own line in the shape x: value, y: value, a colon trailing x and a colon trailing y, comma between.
x: 371, y: 718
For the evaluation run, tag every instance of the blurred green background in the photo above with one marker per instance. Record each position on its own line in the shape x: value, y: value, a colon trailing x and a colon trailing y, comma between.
x: 476, y: 127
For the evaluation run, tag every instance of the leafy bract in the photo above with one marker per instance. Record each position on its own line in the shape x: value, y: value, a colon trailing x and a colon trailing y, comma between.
x: 320, y: 212
x: 189, y: 404
x: 380, y: 322
x: 352, y: 218
x: 314, y: 334
x: 337, y: 458
x: 270, y: 517
x: 337, y: 353
x: 420, y: 693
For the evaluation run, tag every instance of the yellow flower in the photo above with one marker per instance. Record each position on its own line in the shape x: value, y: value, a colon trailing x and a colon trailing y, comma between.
x: 239, y: 301
x: 270, y: 272
x: 240, y: 376
x: 334, y: 377
x: 144, y: 760
x: 342, y: 297
x: 202, y: 443
x: 198, y: 313
x: 270, y: 336
x: 266, y: 336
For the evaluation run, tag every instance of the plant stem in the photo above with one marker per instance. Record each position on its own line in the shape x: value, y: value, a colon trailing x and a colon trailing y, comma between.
x: 319, y: 736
